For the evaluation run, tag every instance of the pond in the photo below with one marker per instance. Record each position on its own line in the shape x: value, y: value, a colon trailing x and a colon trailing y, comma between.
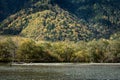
x: 60, y: 71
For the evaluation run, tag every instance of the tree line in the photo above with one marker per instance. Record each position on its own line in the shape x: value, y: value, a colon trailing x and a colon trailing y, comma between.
x: 27, y: 50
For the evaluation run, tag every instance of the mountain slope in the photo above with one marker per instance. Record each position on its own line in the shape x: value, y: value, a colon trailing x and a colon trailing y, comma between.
x: 101, y: 15
x: 55, y: 20
x: 8, y: 7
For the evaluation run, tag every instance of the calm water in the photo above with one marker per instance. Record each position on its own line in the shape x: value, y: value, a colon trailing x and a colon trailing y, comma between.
x: 60, y: 72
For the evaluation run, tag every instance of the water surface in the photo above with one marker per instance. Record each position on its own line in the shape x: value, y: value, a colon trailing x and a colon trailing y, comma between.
x: 60, y: 72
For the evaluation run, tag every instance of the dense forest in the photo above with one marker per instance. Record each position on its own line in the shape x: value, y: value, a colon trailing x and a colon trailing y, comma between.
x: 60, y: 30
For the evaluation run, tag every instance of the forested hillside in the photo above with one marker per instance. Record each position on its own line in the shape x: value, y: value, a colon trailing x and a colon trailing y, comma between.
x: 8, y: 7
x: 56, y: 20
x: 60, y: 30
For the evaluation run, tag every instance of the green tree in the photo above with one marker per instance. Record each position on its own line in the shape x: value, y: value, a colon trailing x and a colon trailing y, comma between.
x: 26, y: 50
x: 115, y: 50
x: 7, y: 49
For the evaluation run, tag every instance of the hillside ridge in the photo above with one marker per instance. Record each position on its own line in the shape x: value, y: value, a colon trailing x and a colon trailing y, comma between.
x: 59, y: 20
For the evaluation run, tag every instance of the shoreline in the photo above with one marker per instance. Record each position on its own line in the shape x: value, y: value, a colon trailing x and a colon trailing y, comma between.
x: 65, y: 64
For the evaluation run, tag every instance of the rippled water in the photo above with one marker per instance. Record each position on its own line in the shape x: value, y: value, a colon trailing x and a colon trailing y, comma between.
x: 60, y: 72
